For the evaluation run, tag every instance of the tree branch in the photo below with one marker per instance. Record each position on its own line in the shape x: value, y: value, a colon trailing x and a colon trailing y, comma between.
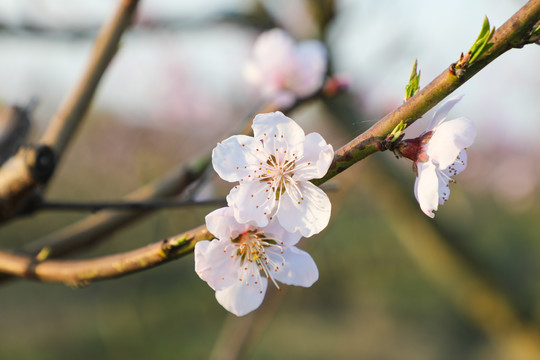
x: 82, y: 272
x: 71, y: 112
x: 17, y: 174
x: 364, y: 145
x: 508, y: 36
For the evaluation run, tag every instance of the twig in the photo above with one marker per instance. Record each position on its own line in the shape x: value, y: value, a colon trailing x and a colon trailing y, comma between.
x: 18, y: 182
x: 71, y: 112
x: 126, y: 205
x: 95, y: 227
x: 82, y: 272
x: 506, y: 37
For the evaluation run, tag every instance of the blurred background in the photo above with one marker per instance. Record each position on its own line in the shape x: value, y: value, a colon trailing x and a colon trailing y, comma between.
x: 393, y: 284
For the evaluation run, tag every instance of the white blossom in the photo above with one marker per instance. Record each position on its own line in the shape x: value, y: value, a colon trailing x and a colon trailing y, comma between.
x: 239, y: 263
x: 441, y: 156
x: 284, y: 70
x: 273, y: 169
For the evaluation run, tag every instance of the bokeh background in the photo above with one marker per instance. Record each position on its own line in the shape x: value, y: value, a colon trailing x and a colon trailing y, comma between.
x: 393, y: 284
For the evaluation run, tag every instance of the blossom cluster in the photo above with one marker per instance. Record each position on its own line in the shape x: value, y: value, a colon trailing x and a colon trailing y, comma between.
x: 272, y: 205
x: 439, y: 153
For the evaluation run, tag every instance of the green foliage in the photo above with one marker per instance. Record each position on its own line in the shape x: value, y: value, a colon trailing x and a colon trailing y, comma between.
x: 481, y: 45
x: 413, y: 86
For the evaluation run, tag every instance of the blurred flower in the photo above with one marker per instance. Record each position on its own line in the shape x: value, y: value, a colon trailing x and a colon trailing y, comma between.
x: 274, y: 168
x: 438, y: 154
x: 284, y: 70
x: 238, y: 264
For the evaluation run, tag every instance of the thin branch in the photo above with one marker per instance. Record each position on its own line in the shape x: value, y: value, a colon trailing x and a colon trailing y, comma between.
x: 96, y: 227
x: 82, y: 272
x: 364, y: 145
x: 508, y: 36
x: 19, y: 179
x: 126, y: 205
x: 71, y: 112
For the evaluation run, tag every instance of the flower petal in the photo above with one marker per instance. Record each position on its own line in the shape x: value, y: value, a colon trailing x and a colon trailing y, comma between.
x: 278, y: 133
x: 237, y: 157
x: 308, y: 215
x: 253, y: 202
x: 299, y: 268
x: 275, y: 231
x: 213, y: 265
x: 274, y: 50
x: 449, y: 139
x: 222, y: 224
x: 458, y: 166
x: 241, y: 299
x: 318, y: 156
x: 441, y: 113
x: 426, y: 188
x: 311, y: 63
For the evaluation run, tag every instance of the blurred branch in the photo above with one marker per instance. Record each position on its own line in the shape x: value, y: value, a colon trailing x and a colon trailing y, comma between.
x: 257, y: 17
x: 509, y: 35
x: 471, y: 293
x: 125, y: 205
x: 95, y: 227
x: 71, y: 112
x: 14, y: 128
x: 82, y: 272
x: 24, y: 173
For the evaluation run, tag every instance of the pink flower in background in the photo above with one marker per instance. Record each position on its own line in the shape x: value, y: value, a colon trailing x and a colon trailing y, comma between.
x: 438, y: 155
x: 239, y: 263
x: 273, y: 169
x: 284, y: 70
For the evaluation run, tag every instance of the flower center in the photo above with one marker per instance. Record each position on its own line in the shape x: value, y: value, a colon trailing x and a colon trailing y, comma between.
x: 278, y: 174
x: 258, y: 255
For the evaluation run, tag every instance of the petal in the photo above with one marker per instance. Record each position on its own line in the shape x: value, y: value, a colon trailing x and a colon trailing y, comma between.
x: 426, y: 188
x: 441, y: 113
x: 275, y: 231
x: 214, y: 265
x: 237, y: 157
x: 449, y: 139
x: 318, y: 156
x: 309, y: 215
x: 222, y: 224
x: 311, y: 67
x: 241, y: 299
x: 282, y: 99
x: 273, y: 50
x: 277, y: 131
x: 444, y: 188
x: 252, y: 202
x: 252, y: 73
x: 458, y: 166
x: 299, y: 268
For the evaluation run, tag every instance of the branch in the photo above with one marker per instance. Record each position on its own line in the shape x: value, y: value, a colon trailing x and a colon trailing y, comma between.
x: 71, y: 112
x: 125, y: 205
x: 17, y: 174
x: 82, y: 272
x: 508, y: 36
x: 95, y: 227
x: 364, y: 145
